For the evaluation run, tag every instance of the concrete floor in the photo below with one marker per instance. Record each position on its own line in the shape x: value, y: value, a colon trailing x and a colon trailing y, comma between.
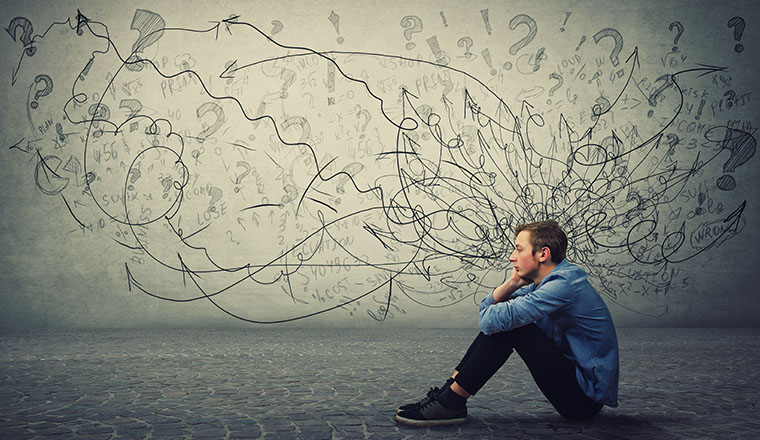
x: 345, y: 383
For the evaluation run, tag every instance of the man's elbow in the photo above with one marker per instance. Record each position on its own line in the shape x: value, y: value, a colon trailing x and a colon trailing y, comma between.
x: 486, y: 327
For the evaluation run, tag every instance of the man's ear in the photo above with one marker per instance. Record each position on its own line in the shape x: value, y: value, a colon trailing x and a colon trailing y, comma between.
x: 545, y: 254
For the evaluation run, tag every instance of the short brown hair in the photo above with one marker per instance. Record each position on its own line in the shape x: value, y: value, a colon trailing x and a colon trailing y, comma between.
x: 546, y: 234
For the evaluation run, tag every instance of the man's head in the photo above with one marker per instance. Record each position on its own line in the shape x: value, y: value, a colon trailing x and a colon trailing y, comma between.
x: 546, y: 234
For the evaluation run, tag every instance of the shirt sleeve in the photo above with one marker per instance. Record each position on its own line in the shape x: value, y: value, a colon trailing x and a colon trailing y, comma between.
x: 520, y: 310
x: 487, y: 301
x: 522, y: 291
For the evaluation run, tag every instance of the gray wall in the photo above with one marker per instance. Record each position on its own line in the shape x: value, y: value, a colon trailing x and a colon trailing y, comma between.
x: 269, y: 162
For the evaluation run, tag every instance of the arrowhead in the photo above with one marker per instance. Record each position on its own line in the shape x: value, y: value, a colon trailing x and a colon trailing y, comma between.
x: 229, y: 71
x: 228, y: 21
x: 711, y: 69
x: 231, y: 20
x: 81, y: 19
x: 524, y: 105
x: 635, y: 55
x: 706, y: 69
x: 130, y: 278
x: 735, y: 217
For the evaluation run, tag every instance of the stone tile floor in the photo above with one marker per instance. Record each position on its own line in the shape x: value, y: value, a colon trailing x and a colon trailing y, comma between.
x: 276, y: 383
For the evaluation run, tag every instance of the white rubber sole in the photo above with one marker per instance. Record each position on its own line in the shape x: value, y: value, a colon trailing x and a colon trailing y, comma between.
x: 424, y: 423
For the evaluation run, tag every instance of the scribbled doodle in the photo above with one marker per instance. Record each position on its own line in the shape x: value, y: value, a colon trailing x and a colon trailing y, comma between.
x: 25, y: 27
x: 679, y: 31
x: 335, y: 20
x: 150, y: 27
x: 278, y: 182
x: 411, y: 25
x: 40, y: 92
x: 737, y: 23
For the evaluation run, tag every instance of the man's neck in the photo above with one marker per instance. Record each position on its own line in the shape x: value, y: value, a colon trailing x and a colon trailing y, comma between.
x: 544, y: 270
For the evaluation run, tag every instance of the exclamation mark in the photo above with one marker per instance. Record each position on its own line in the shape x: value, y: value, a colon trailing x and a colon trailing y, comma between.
x: 335, y: 19
x: 487, y: 56
x: 484, y: 13
x: 567, y: 15
x: 583, y: 39
x: 330, y: 82
x: 699, y: 112
x: 443, y: 17
x: 436, y: 48
x: 86, y: 69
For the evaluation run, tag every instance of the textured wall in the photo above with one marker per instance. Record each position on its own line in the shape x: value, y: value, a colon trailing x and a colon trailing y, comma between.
x: 351, y: 165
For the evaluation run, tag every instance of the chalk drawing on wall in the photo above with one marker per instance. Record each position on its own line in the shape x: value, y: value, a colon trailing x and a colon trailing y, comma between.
x: 249, y: 172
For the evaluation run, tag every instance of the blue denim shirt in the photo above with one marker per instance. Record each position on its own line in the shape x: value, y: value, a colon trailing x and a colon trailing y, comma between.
x: 569, y: 310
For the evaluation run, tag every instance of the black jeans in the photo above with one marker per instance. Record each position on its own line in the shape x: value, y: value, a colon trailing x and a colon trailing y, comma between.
x: 553, y: 372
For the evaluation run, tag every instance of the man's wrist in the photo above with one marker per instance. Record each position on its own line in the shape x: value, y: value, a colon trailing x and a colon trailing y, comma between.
x: 504, y: 291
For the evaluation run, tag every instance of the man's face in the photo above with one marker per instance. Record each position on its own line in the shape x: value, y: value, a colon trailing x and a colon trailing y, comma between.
x: 525, y: 262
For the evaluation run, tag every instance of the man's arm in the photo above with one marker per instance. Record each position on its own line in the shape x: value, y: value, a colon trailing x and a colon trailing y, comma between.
x: 550, y: 296
x: 503, y: 292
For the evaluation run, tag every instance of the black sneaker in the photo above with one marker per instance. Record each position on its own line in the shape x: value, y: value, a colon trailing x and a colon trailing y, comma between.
x: 434, y: 392
x: 433, y: 413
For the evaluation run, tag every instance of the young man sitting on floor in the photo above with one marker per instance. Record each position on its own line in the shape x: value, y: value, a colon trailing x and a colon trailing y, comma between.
x: 550, y: 314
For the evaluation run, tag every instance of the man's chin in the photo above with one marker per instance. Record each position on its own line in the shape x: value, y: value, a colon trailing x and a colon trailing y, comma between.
x: 526, y: 279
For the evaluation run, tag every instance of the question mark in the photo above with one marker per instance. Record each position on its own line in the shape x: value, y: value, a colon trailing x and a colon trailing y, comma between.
x: 291, y: 193
x: 601, y: 106
x: 134, y: 106
x: 556, y: 76
x: 738, y: 24
x: 679, y: 27
x: 303, y: 123
x: 730, y: 99
x: 532, y: 31
x: 349, y: 170
x: 150, y: 26
x: 411, y: 24
x: 216, y: 195
x: 134, y: 175
x: 367, y: 118
x: 277, y: 26
x: 742, y: 146
x: 673, y: 141
x: 667, y: 82
x: 208, y: 130
x: 609, y: 32
x: 26, y: 33
x: 45, y: 91
x: 466, y: 42
x: 239, y: 178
